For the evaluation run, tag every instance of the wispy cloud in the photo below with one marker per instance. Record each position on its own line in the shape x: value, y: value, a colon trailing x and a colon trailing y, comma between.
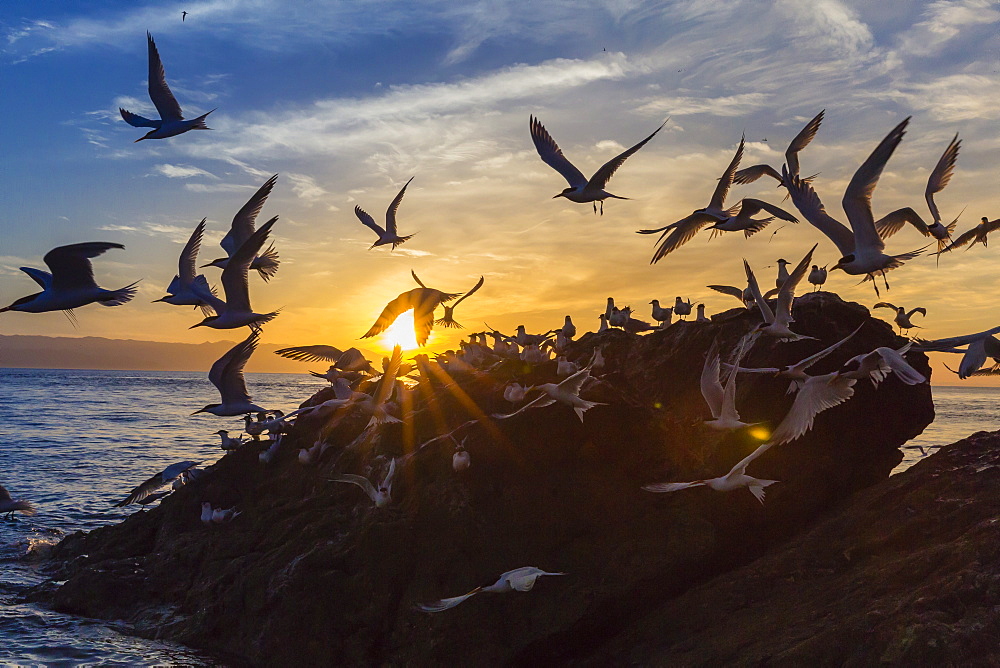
x: 182, y: 171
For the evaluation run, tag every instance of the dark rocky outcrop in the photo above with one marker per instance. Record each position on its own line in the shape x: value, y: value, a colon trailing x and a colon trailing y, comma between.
x: 311, y: 574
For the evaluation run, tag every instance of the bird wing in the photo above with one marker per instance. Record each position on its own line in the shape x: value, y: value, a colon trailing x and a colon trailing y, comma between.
x: 786, y: 294
x: 368, y: 221
x: 671, y: 486
x: 711, y: 388
x: 43, y: 278
x: 446, y: 603
x: 423, y: 313
x: 159, y: 92
x: 857, y: 200
x: 388, y: 380
x: 360, y: 481
x: 800, y: 142
x: 920, y: 309
x: 941, y: 175
x: 886, y: 305
x: 750, y: 207
x: 482, y: 279
x: 939, y: 344
x: 387, y: 483
x: 419, y: 282
x: 392, y: 310
x: 243, y: 221
x: 353, y: 359
x: 142, y: 491
x: 804, y: 364
x: 888, y: 225
x: 815, y: 396
x: 390, y: 213
x: 963, y: 239
x: 538, y: 402
x: 608, y: 169
x: 809, y: 205
x: 70, y: 265
x: 235, y: 281
x: 722, y: 189
x: 314, y: 353
x: 751, y: 174
x: 188, y: 263
x: 552, y: 155
x: 728, y: 290
x: 893, y: 359
x: 227, y: 372
x: 574, y: 383
x: 765, y: 310
x: 683, y: 231
x: 137, y: 121
x: 728, y: 406
x: 175, y: 470
x: 741, y: 466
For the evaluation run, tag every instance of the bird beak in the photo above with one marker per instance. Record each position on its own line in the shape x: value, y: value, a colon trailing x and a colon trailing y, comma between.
x: 200, y: 410
x: 158, y: 300
x: 138, y: 140
x: 206, y: 265
x: 5, y: 308
x: 555, y: 196
x: 198, y: 325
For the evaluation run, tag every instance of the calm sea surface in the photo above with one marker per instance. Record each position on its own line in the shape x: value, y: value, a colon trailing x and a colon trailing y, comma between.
x: 74, y: 442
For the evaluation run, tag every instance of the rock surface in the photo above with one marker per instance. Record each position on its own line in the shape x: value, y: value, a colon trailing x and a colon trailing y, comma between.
x: 311, y: 574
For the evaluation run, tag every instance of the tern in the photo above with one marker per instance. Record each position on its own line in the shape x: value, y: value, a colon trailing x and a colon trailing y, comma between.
x: 181, y: 291
x: 387, y: 235
x: 776, y: 323
x: 448, y: 319
x: 903, y: 316
x: 581, y: 190
x: 701, y: 317
x: 350, y: 360
x: 861, y: 247
x: 977, y: 235
x: 228, y: 442
x: 460, y: 460
x: 519, y: 579
x: 9, y: 505
x: 164, y: 477
x: 801, y: 140
x: 567, y: 392
x: 879, y: 363
x: 227, y: 376
x: 423, y: 301
x: 721, y: 401
x: 980, y: 347
x: 171, y: 121
x: 224, y: 515
x: 236, y: 311
x: 660, y: 314
x: 736, y: 478
x: 817, y: 276
x: 677, y: 234
x: 242, y: 229
x: 939, y: 178
x: 382, y: 496
x: 71, y: 283
x: 745, y: 296
x: 514, y: 393
x: 682, y: 308
x: 745, y: 222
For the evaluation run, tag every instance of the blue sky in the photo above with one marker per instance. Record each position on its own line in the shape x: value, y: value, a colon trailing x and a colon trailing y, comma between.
x: 347, y: 100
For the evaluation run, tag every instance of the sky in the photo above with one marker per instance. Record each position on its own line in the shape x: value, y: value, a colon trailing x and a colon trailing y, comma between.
x: 348, y: 100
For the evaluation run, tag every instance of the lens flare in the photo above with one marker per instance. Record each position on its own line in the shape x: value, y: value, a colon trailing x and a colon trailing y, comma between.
x: 760, y: 432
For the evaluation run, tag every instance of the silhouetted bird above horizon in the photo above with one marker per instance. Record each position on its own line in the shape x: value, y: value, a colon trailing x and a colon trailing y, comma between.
x: 242, y: 229
x: 581, y: 189
x: 423, y: 301
x: 388, y: 234
x: 171, y: 121
x: 181, y: 291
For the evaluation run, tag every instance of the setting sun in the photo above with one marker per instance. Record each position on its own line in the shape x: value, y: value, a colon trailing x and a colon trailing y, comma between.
x: 400, y: 333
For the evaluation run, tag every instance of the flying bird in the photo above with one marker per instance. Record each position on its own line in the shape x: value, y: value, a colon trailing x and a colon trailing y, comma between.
x: 387, y: 235
x: 448, y: 319
x: 380, y: 496
x: 776, y: 323
x: 164, y: 477
x: 721, y: 400
x: 9, y: 505
x: 236, y: 310
x: 519, y: 579
x: 979, y: 347
x: 181, y: 291
x: 423, y: 301
x: 71, y: 283
x: 736, y: 478
x: 567, y: 392
x: 171, y: 120
x: 227, y: 376
x: 581, y: 189
x: 903, y: 316
x: 242, y: 229
x: 801, y: 140
x: 862, y: 250
x: 977, y: 235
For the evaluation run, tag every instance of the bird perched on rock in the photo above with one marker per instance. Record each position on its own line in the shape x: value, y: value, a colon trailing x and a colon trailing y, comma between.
x: 228, y: 442
x: 701, y: 317
x: 682, y: 308
x: 581, y: 189
x: 460, y: 460
x: 423, y: 301
x: 171, y: 121
x: 817, y: 276
x: 903, y: 316
x: 387, y: 235
x: 776, y: 323
x: 519, y: 579
x: 381, y: 496
x: 71, y: 283
x: 660, y: 314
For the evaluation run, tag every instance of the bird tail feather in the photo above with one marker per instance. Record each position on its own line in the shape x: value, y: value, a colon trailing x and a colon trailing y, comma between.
x: 266, y: 263
x: 118, y: 297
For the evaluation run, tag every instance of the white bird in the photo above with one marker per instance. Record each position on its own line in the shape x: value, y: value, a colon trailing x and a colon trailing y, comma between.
x: 268, y: 456
x: 682, y: 308
x: 879, y: 363
x: 776, y: 323
x: 9, y: 505
x: 236, y: 310
x: 567, y: 392
x: 228, y: 442
x: 388, y: 234
x: 902, y: 318
x: 736, y: 478
x: 460, y: 461
x: 519, y: 579
x: 227, y: 376
x: 817, y: 276
x: 533, y: 354
x: 71, y: 283
x: 782, y: 273
x: 515, y: 392
x: 801, y: 140
x: 206, y: 512
x: 171, y: 121
x: 568, y: 328
x: 701, y: 317
x: 980, y: 347
x: 661, y: 315
x: 604, y: 324
x: 745, y: 296
x: 242, y: 228
x: 977, y: 235
x: 581, y: 189
x: 565, y: 368
x: 164, y: 477
x: 938, y: 179
x: 721, y: 401
x: 181, y: 291
x: 224, y: 515
x: 862, y: 250
x: 677, y: 234
x: 382, y: 496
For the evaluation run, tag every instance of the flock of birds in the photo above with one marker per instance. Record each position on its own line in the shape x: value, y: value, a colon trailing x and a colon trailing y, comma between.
x: 386, y: 395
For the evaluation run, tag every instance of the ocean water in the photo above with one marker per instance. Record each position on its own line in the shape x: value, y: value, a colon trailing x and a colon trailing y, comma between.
x: 75, y: 442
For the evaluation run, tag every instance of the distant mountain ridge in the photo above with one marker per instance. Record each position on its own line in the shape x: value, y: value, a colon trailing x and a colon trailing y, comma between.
x: 92, y: 352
